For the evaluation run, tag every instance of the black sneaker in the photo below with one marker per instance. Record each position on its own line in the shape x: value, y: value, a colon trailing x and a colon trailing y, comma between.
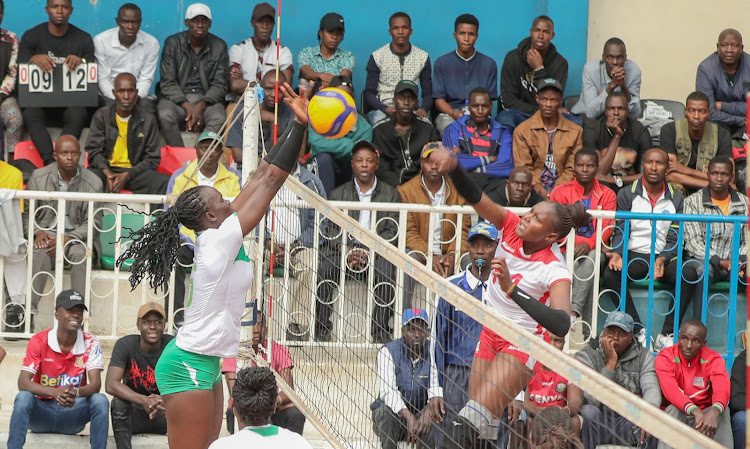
x: 461, y: 434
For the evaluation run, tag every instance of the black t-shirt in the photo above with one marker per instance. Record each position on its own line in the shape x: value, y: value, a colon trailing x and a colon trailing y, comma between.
x: 38, y: 40
x: 138, y: 365
x: 669, y: 134
x: 634, y: 142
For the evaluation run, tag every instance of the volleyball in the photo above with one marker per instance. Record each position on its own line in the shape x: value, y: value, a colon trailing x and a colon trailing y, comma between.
x: 332, y: 113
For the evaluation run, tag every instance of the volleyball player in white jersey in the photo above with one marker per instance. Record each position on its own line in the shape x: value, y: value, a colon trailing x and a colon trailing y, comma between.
x: 189, y: 373
x: 529, y: 284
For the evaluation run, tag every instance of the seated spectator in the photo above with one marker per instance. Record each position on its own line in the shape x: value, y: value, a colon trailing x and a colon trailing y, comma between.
x: 391, y: 63
x: 737, y: 399
x: 127, y: 49
x: 123, y: 143
x: 725, y: 79
x: 695, y: 384
x: 267, y: 108
x: 547, y: 142
x: 60, y: 380
x: 64, y: 175
x: 294, y: 239
x: 692, y: 142
x: 14, y: 251
x: 401, y: 413
x: 620, y: 141
x: 365, y: 188
x: 456, y: 334
x: 212, y: 173
x: 459, y: 71
x: 613, y: 73
x: 10, y: 114
x: 482, y: 146
x: 617, y: 356
x: 516, y: 191
x: 650, y: 194
x: 400, y: 137
x: 430, y: 187
x: 535, y: 59
x: 47, y: 45
x: 331, y: 159
x: 553, y: 429
x: 251, y: 59
x: 193, y: 97
x: 255, y: 403
x: 324, y: 61
x: 595, y: 196
x: 286, y: 414
x: 137, y: 406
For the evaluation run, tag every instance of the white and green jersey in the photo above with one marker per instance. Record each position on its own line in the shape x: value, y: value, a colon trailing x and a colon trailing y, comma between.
x: 222, y: 275
x: 267, y: 437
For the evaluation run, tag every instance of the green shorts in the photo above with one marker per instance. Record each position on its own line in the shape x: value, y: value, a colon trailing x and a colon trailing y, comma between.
x: 178, y: 370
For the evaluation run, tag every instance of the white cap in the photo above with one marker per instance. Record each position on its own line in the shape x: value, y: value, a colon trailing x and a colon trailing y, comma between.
x: 198, y: 9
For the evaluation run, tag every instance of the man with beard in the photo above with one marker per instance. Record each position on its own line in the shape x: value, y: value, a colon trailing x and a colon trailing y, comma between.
x: 401, y: 412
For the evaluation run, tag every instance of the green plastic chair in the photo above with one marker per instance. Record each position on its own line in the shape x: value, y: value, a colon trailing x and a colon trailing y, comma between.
x: 107, y: 239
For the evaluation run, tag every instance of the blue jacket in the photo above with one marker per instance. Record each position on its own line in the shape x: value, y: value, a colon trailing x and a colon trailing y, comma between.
x: 412, y: 379
x: 711, y: 79
x: 455, y: 333
x: 456, y: 135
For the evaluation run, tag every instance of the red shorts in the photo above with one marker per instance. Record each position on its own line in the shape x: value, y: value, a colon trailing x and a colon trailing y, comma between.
x: 490, y: 345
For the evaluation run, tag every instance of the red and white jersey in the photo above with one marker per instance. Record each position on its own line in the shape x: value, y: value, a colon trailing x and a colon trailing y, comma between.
x: 547, y: 388
x: 534, y: 274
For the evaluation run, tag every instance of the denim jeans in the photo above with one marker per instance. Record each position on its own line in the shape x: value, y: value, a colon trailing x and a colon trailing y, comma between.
x: 738, y: 429
x: 47, y: 416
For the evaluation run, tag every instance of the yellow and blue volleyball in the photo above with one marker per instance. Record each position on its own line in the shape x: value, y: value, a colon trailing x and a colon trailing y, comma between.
x: 332, y: 113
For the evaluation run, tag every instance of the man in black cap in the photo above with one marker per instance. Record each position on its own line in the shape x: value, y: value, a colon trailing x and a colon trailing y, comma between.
x: 324, y: 61
x: 60, y: 380
x: 401, y: 137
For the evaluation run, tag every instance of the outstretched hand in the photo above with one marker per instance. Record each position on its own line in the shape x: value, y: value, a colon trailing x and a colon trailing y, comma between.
x: 445, y: 161
x: 297, y: 103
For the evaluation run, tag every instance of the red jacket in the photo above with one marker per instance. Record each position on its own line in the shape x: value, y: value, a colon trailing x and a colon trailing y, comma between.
x: 702, y: 381
x: 602, y: 197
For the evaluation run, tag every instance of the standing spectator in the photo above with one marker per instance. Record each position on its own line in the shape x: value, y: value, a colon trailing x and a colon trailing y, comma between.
x: 13, y: 249
x: 516, y: 191
x: 455, y: 334
x: 137, y: 406
x: 401, y: 412
x: 587, y: 190
x: 618, y: 357
x: 10, y: 113
x: 692, y: 142
x: 47, y: 45
x: 194, y: 78
x: 725, y: 79
x: 212, y: 173
x: 127, y: 49
x: 535, y: 59
x: 365, y: 188
x: 737, y: 404
x: 613, y: 73
x: 394, y: 62
x: 620, y: 141
x: 331, y: 159
x: 64, y: 175
x: 460, y: 71
x: 60, y: 380
x: 123, y: 143
x: 696, y: 384
x: 252, y: 58
x: 326, y: 60
x: 400, y: 137
x: 547, y: 142
x: 650, y: 194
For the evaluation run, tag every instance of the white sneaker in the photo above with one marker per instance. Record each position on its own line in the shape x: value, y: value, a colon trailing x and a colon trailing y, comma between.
x: 640, y: 337
x: 663, y: 341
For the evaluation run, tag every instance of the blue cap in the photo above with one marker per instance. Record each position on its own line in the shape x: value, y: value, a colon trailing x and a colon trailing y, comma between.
x: 621, y: 320
x: 413, y: 314
x: 483, y: 228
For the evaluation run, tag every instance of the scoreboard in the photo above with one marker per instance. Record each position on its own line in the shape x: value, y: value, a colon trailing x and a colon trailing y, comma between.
x: 61, y: 87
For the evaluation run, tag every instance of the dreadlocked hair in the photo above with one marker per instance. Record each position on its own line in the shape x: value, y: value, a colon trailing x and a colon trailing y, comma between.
x: 154, y: 246
x: 553, y: 429
x: 570, y: 216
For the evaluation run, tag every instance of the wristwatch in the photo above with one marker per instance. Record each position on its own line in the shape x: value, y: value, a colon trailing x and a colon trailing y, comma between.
x: 618, y: 181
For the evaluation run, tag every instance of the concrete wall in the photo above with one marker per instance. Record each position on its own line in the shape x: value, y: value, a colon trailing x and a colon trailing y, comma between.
x: 502, y: 24
x: 667, y: 39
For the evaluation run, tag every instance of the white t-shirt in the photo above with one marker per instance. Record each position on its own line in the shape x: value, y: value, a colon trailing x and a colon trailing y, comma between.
x: 222, y: 275
x: 266, y: 437
x: 535, y: 274
x: 438, y: 199
x: 249, y: 59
